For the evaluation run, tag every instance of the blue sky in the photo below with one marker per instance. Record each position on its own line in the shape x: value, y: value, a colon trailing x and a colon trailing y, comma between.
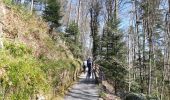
x: 124, y: 15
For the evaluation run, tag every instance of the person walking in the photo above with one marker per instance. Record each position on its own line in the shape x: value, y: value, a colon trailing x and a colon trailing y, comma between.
x: 89, y: 65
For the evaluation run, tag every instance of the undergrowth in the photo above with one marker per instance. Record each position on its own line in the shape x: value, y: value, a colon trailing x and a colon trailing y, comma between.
x: 23, y: 76
x: 26, y: 75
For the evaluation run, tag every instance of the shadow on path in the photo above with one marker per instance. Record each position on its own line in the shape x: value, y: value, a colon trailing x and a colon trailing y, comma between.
x: 84, y: 89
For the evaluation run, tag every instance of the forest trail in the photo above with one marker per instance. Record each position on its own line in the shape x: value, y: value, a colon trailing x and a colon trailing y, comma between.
x: 83, y: 89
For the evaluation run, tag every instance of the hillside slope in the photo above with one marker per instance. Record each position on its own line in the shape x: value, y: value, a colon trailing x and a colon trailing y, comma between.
x: 31, y: 63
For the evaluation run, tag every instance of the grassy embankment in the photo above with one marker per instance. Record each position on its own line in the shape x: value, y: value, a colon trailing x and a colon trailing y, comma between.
x: 31, y: 63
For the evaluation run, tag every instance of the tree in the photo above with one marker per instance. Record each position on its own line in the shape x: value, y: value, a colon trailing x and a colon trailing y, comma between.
x: 52, y: 13
x: 73, y: 30
x: 112, y: 48
x: 72, y: 39
x: 32, y: 5
x: 94, y: 24
x: 113, y: 54
x: 149, y: 39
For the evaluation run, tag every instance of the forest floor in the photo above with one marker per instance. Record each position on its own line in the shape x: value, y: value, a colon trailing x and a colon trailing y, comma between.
x: 83, y: 89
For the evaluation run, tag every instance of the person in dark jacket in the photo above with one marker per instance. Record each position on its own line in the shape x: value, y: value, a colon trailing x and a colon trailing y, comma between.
x: 89, y: 65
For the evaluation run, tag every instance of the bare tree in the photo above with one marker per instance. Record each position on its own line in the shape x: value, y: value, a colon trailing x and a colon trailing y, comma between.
x: 32, y: 6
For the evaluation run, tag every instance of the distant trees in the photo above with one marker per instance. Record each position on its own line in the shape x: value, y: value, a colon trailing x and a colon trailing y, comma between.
x: 148, y: 54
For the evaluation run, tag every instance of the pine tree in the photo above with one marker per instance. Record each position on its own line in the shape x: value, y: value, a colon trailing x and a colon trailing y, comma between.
x: 74, y: 31
x: 72, y: 39
x: 52, y: 13
x: 113, y: 53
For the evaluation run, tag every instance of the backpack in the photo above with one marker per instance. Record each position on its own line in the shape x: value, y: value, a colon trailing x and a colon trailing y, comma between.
x: 89, y: 63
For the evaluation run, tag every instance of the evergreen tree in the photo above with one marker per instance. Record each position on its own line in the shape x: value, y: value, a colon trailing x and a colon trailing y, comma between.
x: 52, y: 13
x: 113, y: 55
x: 73, y: 30
x: 72, y: 39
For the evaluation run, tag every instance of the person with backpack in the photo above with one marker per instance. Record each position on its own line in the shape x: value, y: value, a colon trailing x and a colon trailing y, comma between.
x: 89, y: 65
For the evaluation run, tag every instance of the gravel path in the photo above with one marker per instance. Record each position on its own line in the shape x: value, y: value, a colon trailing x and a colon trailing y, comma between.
x: 84, y: 89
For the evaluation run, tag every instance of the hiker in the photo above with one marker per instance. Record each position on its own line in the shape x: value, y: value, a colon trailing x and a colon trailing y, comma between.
x: 89, y: 65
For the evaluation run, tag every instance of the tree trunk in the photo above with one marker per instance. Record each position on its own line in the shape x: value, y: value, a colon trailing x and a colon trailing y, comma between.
x: 78, y: 12
x: 129, y: 60
x: 143, y: 60
x: 150, y: 61
x: 116, y: 8
x: 163, y: 74
x: 70, y: 8
x: 32, y: 6
x: 138, y: 41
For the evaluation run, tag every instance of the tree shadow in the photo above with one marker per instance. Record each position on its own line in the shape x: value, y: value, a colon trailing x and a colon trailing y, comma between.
x: 84, y: 89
